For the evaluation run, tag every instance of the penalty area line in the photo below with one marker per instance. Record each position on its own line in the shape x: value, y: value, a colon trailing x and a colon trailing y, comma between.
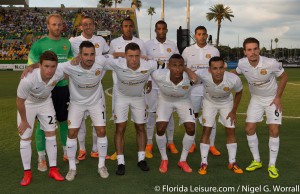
x: 107, y: 92
x: 288, y: 117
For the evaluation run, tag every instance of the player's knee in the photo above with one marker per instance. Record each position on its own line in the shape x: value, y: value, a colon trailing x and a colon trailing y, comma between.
x: 49, y: 133
x: 72, y: 133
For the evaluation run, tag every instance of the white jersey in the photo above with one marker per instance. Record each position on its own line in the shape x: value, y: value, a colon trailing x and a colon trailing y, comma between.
x: 34, y: 89
x: 168, y: 90
x: 198, y: 58
x: 219, y: 93
x: 99, y: 43
x: 119, y: 44
x: 160, y: 52
x: 85, y: 84
x: 130, y: 82
x: 262, y: 78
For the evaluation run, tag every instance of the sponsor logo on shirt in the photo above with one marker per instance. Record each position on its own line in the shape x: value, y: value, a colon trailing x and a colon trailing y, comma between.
x: 208, y: 56
x: 226, y: 89
x: 144, y: 72
x: 263, y: 72
x: 96, y: 45
x: 169, y: 50
x: 64, y: 47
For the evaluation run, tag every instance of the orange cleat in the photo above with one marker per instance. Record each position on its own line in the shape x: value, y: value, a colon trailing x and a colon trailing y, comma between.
x: 236, y: 169
x: 26, y: 178
x: 94, y: 154
x: 184, y: 166
x: 203, y: 169
x: 148, y: 151
x: 81, y: 155
x: 172, y: 148
x: 213, y: 150
x: 53, y: 173
x: 193, y: 148
x: 163, y: 168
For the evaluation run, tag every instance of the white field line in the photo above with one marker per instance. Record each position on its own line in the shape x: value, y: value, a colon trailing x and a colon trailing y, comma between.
x: 288, y: 117
x: 294, y: 84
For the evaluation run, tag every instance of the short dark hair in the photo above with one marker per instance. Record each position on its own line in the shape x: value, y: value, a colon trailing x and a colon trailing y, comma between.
x: 86, y: 17
x: 86, y: 44
x: 176, y: 56
x: 200, y: 28
x: 132, y: 46
x: 48, y: 55
x: 250, y: 40
x: 214, y: 59
x: 161, y: 22
x: 126, y: 19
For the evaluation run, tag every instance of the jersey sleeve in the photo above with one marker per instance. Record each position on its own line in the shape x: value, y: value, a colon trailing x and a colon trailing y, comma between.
x: 152, y: 65
x: 63, y: 68
x: 176, y: 50
x: 106, y: 47
x: 24, y: 88
x: 200, y: 73
x: 238, y: 68
x: 74, y: 46
x: 110, y: 64
x: 34, y: 54
x: 238, y: 86
x: 111, y: 47
x: 277, y: 68
x: 184, y: 55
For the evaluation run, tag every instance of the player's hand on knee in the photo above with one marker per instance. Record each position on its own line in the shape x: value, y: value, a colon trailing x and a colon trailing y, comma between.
x: 277, y: 103
x: 148, y: 87
x: 23, y: 126
x: 232, y: 117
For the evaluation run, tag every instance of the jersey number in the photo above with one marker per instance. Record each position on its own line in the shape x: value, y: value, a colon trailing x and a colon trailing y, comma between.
x: 191, y: 111
x: 51, y: 120
x: 276, y: 113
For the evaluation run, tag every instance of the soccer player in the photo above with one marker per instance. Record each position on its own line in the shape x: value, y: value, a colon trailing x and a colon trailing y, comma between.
x: 117, y: 49
x: 60, y: 94
x: 34, y: 100
x: 174, y: 85
x: 87, y: 27
x: 218, y: 98
x: 159, y: 49
x: 261, y: 73
x: 132, y: 74
x: 197, y: 57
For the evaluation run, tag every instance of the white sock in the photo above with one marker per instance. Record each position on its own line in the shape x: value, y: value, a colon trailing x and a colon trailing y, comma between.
x: 51, y: 149
x: 25, y: 150
x: 42, y: 155
x: 170, y: 129
x: 95, y: 140
x: 231, y: 148
x: 213, y: 135
x: 102, y: 150
x: 141, y: 156
x: 253, y: 145
x: 81, y: 135
x: 186, y: 145
x: 120, y: 159
x: 204, y: 148
x: 71, y: 152
x: 161, y: 143
x: 150, y: 127
x: 274, y: 149
x: 65, y: 150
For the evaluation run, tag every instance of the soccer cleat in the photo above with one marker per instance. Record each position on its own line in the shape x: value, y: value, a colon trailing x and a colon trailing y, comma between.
x: 273, y: 172
x: 172, y: 148
x: 163, y: 168
x: 26, y: 178
x: 81, y: 155
x: 213, y: 150
x: 94, y: 154
x: 236, y: 169
x: 143, y: 165
x: 254, y: 165
x: 113, y: 156
x: 53, y: 173
x: 121, y: 169
x: 42, y: 165
x: 66, y: 159
x: 184, y: 166
x: 192, y: 148
x: 71, y: 175
x: 203, y: 169
x: 148, y: 151
x: 103, y: 172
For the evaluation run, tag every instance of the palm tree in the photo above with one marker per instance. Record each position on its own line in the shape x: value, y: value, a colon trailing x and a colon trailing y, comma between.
x: 105, y: 3
x: 136, y: 4
x: 219, y: 13
x: 117, y: 2
x: 151, y: 11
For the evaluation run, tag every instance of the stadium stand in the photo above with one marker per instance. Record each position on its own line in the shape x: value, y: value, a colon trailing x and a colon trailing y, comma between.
x: 20, y: 27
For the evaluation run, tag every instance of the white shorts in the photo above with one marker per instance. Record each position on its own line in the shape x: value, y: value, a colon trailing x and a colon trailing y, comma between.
x: 258, y: 106
x: 210, y: 111
x: 182, y: 107
x: 152, y: 100
x: 137, y: 106
x: 77, y: 112
x: 44, y: 112
x: 197, y: 103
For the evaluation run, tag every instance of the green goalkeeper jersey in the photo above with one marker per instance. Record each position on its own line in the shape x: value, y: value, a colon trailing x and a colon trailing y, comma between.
x: 61, y: 47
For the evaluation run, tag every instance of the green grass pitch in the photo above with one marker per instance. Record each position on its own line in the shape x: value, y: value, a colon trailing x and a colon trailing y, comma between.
x: 136, y: 181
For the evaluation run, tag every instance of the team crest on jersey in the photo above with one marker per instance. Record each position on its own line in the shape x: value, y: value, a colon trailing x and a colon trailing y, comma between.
x: 96, y: 45
x: 208, y: 56
x: 203, y: 120
x: 53, y: 83
x: 263, y: 72
x: 115, y: 117
x: 64, y: 47
x: 144, y: 72
x: 97, y: 72
x: 160, y: 62
x: 69, y: 122
x: 185, y: 87
x: 169, y: 50
x: 226, y: 89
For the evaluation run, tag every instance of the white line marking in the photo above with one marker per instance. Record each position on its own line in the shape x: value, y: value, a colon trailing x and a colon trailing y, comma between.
x: 107, y: 92
x: 288, y: 117
x: 294, y: 84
